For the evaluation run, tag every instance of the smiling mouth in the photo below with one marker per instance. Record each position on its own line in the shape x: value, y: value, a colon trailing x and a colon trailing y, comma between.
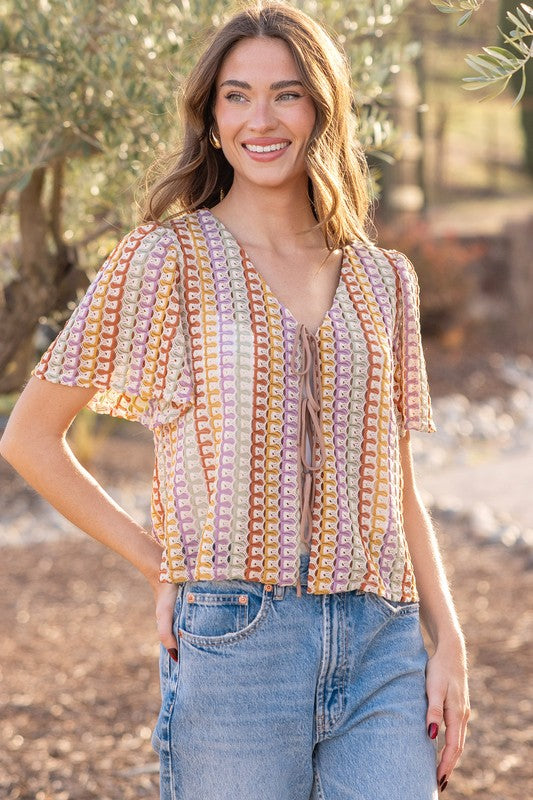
x: 272, y: 148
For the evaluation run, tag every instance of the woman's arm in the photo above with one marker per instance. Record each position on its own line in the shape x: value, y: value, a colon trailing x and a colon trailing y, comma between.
x: 34, y: 444
x: 446, y: 673
x: 437, y: 610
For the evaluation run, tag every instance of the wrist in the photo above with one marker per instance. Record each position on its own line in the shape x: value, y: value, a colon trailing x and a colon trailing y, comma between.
x: 450, y: 640
x: 150, y: 555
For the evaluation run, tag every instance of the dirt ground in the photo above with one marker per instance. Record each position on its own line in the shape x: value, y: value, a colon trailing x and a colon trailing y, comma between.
x: 79, y: 690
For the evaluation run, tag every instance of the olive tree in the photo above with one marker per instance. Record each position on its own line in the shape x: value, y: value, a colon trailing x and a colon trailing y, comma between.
x: 87, y: 99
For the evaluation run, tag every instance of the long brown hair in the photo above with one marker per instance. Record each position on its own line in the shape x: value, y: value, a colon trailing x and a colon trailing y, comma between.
x: 198, y: 175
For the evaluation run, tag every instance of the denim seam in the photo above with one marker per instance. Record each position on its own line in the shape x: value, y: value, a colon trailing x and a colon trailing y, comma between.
x: 168, y: 724
x: 317, y: 781
x: 344, y: 663
x: 321, y: 713
x: 340, y: 670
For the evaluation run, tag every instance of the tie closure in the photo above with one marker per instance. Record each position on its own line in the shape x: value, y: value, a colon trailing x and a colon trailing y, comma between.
x: 309, y: 423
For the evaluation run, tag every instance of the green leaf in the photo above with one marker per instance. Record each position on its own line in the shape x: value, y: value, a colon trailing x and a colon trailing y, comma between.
x: 502, y: 55
x: 480, y: 81
x: 444, y: 8
x: 523, y: 16
x: 478, y: 63
x: 464, y: 18
x: 494, y: 66
x: 522, y: 89
x: 520, y: 25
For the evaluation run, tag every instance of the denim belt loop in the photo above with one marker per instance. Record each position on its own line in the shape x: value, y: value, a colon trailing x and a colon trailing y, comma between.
x: 279, y: 592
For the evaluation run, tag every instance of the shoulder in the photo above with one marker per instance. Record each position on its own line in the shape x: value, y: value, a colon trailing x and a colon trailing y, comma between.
x: 401, y: 265
x: 388, y: 260
x: 369, y: 249
x: 150, y: 244
x: 148, y: 236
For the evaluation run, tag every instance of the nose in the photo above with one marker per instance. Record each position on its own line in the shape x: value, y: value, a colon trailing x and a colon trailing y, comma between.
x: 262, y: 116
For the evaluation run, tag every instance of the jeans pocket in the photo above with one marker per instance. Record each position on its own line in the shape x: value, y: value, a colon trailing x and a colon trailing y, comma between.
x: 395, y: 608
x: 222, y: 612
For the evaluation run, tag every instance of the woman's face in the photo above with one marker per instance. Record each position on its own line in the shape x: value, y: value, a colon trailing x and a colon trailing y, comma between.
x: 250, y: 108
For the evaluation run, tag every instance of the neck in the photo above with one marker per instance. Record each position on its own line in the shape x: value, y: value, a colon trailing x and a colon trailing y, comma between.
x: 273, y: 220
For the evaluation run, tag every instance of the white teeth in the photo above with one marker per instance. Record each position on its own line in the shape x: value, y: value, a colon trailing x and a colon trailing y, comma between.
x: 255, y: 148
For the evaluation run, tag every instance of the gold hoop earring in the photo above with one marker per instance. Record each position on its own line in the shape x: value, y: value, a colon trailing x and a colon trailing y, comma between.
x: 213, y: 139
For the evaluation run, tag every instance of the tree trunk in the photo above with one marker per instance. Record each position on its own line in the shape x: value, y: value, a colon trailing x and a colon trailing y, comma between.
x: 46, y: 280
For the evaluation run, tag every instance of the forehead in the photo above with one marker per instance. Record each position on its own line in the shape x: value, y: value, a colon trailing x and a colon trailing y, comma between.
x: 259, y: 61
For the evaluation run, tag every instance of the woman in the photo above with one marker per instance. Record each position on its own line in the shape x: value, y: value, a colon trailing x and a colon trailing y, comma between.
x: 275, y: 353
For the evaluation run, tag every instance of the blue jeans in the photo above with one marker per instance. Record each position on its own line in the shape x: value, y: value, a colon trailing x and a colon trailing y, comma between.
x: 318, y: 697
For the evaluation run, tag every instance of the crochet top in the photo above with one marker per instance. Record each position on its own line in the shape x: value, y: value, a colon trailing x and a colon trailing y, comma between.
x: 178, y: 331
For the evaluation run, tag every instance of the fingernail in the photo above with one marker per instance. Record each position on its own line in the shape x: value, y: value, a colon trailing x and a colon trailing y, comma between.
x: 442, y: 779
x: 433, y: 730
x: 443, y: 786
x: 173, y: 653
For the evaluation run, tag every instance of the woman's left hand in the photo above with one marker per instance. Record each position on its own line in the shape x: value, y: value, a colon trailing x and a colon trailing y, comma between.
x: 448, y: 701
x: 165, y: 599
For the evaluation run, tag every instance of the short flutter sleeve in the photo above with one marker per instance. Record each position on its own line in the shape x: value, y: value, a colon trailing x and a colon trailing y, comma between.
x: 125, y: 337
x: 412, y: 398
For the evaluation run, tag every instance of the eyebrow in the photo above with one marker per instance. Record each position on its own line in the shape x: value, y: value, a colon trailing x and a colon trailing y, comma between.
x: 273, y: 86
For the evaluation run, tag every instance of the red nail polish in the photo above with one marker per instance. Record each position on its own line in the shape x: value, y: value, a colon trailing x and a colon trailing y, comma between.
x: 442, y: 779
x: 173, y: 653
x: 443, y: 786
x: 433, y: 730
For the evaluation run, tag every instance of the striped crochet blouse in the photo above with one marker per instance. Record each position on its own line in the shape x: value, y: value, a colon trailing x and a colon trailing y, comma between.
x: 268, y: 438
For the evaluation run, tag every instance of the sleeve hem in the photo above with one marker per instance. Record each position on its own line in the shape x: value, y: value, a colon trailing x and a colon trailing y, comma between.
x: 105, y: 400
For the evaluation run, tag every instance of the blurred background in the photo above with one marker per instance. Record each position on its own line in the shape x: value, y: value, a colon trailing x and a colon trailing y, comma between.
x: 88, y: 99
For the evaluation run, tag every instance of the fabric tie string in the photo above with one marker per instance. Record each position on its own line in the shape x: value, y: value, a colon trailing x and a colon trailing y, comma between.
x: 309, y: 423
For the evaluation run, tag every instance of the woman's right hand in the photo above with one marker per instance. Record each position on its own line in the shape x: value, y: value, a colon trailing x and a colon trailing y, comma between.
x: 165, y: 600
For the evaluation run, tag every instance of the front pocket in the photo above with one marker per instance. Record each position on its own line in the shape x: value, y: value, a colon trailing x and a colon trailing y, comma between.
x: 394, y: 608
x: 211, y: 614
x: 219, y: 615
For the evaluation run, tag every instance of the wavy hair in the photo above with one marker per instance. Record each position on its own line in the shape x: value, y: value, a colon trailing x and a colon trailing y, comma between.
x: 198, y: 175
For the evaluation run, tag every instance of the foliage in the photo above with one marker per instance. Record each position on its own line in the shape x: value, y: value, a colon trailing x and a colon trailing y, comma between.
x: 87, y: 92
x: 93, y: 85
x: 83, y: 79
x: 497, y: 64
x: 87, y: 98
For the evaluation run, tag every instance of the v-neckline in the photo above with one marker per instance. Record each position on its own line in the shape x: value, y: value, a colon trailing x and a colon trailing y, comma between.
x: 283, y: 308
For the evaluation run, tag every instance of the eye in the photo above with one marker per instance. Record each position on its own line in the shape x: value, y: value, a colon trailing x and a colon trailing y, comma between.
x: 232, y: 94
x: 285, y: 94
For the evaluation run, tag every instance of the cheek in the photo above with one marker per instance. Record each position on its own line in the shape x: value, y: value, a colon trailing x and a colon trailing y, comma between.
x: 302, y: 119
x: 228, y: 119
x: 229, y: 124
